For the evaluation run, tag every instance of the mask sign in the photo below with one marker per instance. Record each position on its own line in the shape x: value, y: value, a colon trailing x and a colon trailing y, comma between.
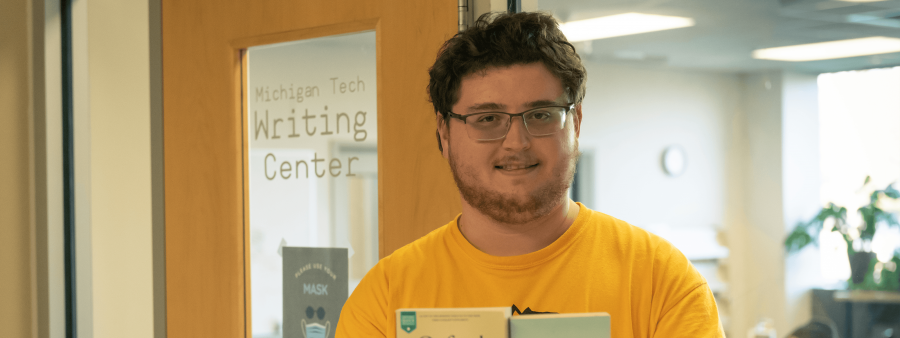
x: 313, y: 177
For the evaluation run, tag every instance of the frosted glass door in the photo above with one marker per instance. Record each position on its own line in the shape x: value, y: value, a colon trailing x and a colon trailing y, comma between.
x: 313, y: 160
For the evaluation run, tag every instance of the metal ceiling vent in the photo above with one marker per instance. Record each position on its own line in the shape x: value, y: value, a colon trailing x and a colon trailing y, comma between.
x: 879, y: 13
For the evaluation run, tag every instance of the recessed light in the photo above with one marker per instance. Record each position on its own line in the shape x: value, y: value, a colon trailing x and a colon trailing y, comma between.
x: 621, y: 24
x: 830, y: 50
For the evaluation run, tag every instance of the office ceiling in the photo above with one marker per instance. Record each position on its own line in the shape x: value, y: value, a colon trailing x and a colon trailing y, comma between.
x: 727, y: 31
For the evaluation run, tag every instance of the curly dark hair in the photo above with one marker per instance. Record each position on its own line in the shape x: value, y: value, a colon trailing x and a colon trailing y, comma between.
x: 503, y: 40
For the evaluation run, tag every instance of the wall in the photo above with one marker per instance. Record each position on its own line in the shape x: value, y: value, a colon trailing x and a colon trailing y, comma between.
x: 120, y: 183
x: 801, y: 182
x: 631, y: 115
x: 755, y: 216
x: 17, y: 291
x: 112, y: 103
x: 774, y: 175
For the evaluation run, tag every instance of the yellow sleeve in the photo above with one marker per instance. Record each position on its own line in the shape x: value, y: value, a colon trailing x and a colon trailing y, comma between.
x: 365, y: 314
x: 695, y: 315
x: 685, y: 304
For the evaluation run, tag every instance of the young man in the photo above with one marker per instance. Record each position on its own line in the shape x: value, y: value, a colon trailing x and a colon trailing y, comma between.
x: 508, y: 94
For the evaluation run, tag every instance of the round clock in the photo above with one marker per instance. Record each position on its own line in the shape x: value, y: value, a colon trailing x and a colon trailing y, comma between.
x: 674, y: 160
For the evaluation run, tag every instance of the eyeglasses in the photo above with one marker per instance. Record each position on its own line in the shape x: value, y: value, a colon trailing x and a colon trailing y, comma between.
x: 490, y: 126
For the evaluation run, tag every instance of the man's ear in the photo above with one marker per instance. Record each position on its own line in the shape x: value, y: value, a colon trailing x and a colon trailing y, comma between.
x: 442, y: 132
x: 577, y: 120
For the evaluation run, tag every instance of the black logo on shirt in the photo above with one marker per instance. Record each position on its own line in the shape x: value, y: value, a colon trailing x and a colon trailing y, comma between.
x: 528, y: 311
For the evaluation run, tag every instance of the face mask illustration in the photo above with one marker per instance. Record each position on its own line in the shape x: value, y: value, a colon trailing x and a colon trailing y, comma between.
x: 315, y: 330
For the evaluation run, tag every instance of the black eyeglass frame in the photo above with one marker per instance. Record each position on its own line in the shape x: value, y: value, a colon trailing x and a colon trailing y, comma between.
x: 462, y: 118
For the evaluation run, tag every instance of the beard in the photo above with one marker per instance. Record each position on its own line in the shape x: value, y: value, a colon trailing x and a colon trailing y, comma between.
x: 509, y: 208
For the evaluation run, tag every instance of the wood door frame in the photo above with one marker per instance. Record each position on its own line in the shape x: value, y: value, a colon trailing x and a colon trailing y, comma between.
x: 205, y: 137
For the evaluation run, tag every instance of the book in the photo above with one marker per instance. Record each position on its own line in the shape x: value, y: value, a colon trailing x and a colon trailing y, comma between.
x: 315, y: 289
x: 485, y: 322
x: 570, y: 325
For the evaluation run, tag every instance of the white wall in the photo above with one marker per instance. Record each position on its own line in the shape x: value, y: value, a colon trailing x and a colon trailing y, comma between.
x: 755, y: 221
x: 774, y: 180
x: 631, y: 115
x: 111, y: 79
x: 801, y: 182
x: 120, y: 183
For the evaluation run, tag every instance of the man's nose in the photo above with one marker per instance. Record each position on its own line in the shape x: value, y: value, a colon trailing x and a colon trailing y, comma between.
x: 517, y: 138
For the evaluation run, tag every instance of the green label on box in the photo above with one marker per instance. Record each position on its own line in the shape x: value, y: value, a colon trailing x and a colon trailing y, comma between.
x: 408, y: 321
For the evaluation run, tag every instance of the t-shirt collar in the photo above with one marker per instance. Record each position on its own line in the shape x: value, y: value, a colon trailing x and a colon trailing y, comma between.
x: 460, y: 243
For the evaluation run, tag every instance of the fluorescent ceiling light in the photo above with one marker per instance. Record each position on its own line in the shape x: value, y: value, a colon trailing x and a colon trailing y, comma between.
x: 861, y: 0
x: 621, y: 24
x: 830, y: 50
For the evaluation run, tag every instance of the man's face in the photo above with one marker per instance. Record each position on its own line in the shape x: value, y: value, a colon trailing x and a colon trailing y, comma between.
x: 520, y: 177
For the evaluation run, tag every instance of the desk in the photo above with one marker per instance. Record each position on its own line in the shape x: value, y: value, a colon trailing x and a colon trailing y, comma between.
x: 865, y: 296
x: 858, y: 313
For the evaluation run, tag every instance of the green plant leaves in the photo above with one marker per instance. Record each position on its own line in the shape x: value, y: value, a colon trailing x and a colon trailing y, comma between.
x: 805, y: 233
x: 798, y: 239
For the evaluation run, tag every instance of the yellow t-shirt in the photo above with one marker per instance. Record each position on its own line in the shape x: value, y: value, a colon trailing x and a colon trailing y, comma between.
x: 600, y: 264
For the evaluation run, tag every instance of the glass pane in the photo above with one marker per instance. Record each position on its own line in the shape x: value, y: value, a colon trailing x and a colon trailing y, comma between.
x: 313, y: 165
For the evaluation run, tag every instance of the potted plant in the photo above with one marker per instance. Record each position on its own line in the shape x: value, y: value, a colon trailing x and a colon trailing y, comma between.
x: 867, y: 272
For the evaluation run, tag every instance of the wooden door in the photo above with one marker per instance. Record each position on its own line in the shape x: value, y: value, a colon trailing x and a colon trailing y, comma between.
x: 207, y: 284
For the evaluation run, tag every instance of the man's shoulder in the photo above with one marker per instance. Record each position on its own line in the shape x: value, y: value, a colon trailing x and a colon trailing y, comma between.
x: 644, y: 249
x: 653, y: 261
x: 622, y: 235
x: 422, y: 249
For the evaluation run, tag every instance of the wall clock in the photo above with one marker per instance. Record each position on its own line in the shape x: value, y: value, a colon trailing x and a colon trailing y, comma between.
x: 674, y: 160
